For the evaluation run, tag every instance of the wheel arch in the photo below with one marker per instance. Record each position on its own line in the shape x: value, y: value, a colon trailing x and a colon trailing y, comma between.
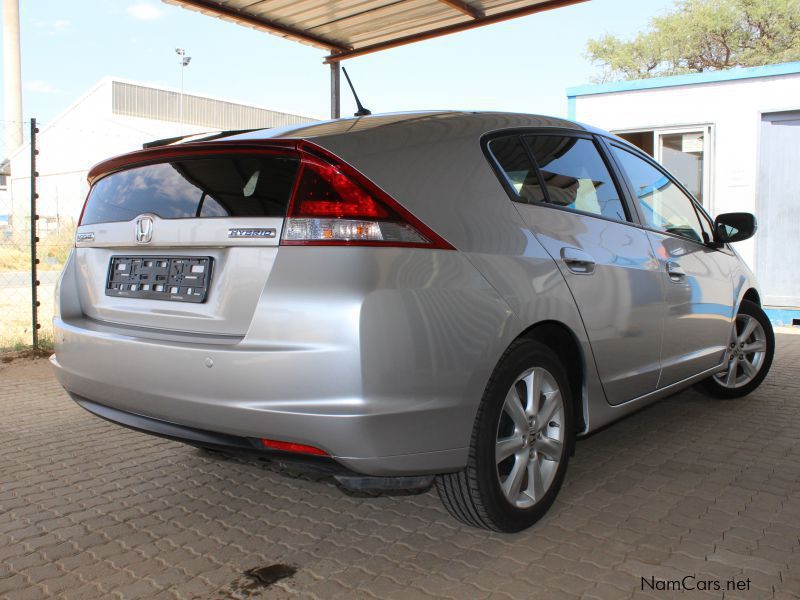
x: 562, y: 341
x: 752, y: 295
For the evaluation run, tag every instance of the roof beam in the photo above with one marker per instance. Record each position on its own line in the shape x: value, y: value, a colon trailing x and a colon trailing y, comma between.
x: 465, y: 8
x: 224, y: 11
x: 434, y: 33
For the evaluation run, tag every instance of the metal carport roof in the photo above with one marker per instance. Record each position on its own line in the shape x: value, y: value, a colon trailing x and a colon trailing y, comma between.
x: 350, y: 28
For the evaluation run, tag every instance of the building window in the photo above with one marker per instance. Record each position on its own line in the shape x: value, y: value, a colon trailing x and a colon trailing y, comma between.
x: 664, y: 206
x: 683, y: 152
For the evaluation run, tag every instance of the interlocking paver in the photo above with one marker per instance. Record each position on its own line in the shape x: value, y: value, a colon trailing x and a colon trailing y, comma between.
x: 691, y: 486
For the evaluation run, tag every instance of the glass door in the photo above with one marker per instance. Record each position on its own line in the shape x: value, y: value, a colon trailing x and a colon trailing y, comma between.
x: 684, y: 153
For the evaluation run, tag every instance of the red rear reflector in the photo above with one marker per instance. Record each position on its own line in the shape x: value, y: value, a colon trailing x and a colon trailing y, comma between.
x: 291, y: 447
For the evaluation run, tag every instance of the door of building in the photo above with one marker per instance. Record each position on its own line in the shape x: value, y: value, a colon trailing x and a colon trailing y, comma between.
x: 684, y: 151
x: 778, y: 210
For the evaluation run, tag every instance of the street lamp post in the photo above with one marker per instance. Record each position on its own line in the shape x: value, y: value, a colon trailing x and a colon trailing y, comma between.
x: 184, y: 62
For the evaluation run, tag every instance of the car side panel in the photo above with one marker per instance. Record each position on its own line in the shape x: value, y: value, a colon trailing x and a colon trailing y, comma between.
x: 446, y: 181
x: 742, y: 277
x: 700, y: 306
x: 620, y: 300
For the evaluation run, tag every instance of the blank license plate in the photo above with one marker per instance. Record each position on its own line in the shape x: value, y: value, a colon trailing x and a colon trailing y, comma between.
x: 179, y: 279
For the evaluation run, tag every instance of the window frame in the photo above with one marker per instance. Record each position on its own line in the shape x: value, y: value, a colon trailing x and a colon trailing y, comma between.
x: 621, y: 185
x: 700, y: 212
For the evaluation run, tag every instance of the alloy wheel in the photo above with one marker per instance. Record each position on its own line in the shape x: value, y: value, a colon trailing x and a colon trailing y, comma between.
x: 745, y: 352
x: 530, y: 437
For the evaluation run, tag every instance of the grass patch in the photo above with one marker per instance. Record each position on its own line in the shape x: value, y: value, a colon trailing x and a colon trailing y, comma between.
x: 15, y: 287
x: 16, y: 326
x: 52, y: 251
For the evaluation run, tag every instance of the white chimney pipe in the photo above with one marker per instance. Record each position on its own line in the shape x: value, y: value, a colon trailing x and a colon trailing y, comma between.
x: 12, y: 77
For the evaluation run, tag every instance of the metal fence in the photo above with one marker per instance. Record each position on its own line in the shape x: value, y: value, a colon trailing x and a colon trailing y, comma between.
x: 33, y: 249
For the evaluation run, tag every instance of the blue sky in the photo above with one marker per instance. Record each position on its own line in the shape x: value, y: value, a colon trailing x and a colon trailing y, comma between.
x: 521, y: 65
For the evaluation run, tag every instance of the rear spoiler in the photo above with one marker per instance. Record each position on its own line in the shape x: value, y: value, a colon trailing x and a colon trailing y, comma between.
x: 284, y: 147
x: 198, y: 137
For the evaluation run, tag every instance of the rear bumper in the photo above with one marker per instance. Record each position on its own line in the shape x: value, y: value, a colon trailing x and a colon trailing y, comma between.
x: 379, y: 358
x: 252, y: 447
x: 362, y: 441
x: 204, y: 439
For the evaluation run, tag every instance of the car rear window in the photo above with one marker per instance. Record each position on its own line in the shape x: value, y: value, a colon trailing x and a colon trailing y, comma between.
x: 576, y: 176
x: 517, y: 167
x: 225, y: 186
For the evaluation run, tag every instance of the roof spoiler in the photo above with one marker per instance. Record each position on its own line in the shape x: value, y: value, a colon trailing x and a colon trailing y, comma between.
x: 198, y: 137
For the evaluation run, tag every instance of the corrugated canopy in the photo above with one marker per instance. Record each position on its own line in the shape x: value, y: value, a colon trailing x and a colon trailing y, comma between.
x: 349, y: 28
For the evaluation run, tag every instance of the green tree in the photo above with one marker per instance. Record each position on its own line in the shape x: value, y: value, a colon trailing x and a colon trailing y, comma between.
x: 704, y: 35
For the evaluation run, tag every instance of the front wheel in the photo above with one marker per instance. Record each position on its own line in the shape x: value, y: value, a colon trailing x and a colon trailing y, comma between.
x: 521, y: 443
x: 748, y: 355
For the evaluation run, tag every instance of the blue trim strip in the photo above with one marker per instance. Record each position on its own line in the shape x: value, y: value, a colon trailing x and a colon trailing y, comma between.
x: 571, y: 108
x: 791, y: 68
x: 782, y: 317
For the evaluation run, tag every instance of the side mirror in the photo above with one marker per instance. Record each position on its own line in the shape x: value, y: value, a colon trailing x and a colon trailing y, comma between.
x: 734, y: 227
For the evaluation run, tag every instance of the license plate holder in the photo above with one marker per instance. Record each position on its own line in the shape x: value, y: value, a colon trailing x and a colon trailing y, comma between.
x: 173, y: 278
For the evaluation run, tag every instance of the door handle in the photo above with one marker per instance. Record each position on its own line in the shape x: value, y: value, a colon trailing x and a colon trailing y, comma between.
x: 577, y: 261
x: 675, y: 272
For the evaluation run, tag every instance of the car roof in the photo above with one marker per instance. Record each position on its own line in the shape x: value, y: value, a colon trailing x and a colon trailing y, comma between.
x: 451, y: 122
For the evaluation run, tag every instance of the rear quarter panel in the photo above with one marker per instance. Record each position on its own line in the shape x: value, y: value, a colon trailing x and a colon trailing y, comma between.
x: 442, y: 176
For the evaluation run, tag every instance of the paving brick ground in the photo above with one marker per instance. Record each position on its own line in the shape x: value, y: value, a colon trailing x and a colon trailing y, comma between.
x: 691, y: 486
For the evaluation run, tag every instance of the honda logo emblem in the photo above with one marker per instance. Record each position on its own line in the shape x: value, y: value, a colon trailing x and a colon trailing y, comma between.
x: 144, y: 230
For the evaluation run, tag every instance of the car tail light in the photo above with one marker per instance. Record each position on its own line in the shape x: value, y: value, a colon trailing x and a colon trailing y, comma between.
x: 292, y: 447
x: 333, y: 204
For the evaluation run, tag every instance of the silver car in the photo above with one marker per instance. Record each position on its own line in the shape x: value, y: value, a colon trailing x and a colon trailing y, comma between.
x: 446, y: 297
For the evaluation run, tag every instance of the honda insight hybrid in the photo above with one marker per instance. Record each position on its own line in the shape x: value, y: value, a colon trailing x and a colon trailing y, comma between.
x: 406, y: 300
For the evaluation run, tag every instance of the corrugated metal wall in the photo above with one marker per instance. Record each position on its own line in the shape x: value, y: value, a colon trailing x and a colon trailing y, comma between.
x: 151, y: 103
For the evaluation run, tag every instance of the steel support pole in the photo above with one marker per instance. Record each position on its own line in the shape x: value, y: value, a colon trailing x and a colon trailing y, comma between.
x: 180, y: 103
x: 34, y: 241
x: 336, y: 96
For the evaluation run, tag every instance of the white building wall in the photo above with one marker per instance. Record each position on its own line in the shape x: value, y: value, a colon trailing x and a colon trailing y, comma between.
x: 82, y: 136
x: 85, y: 134
x: 734, y: 110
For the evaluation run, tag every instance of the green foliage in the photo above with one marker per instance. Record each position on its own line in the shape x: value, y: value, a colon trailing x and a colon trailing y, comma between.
x: 704, y: 35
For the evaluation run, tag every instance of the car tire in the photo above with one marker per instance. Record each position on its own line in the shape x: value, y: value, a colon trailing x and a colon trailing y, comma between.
x: 492, y: 492
x: 752, y: 331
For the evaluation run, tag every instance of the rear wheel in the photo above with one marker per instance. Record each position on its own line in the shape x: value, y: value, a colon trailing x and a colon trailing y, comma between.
x: 748, y: 355
x: 520, y: 446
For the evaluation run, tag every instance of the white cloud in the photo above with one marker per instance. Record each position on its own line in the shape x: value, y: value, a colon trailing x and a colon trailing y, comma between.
x: 52, y: 27
x: 39, y: 86
x: 144, y: 11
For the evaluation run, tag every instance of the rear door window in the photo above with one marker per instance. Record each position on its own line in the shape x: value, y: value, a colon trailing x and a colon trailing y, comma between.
x: 224, y: 186
x: 513, y: 159
x: 575, y: 175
